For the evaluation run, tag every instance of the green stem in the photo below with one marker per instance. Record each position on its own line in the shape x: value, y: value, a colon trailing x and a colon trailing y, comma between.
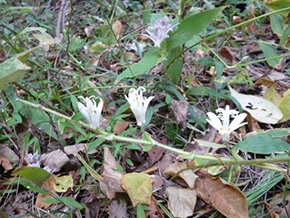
x: 215, y: 161
x: 265, y: 59
x: 244, y: 23
x: 227, y: 30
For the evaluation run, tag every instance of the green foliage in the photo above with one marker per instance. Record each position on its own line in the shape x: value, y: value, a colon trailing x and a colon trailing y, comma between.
x: 53, y: 72
x: 191, y: 26
x: 13, y: 69
x: 33, y: 174
x: 270, y: 52
x: 151, y: 58
x: 266, y: 142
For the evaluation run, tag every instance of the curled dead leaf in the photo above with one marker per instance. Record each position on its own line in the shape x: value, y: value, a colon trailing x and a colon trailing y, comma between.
x: 180, y: 109
x: 181, y: 202
x: 222, y: 196
x: 188, y: 176
x: 118, y: 29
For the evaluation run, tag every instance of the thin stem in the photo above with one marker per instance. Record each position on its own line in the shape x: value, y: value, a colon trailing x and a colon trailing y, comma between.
x: 215, y: 161
x: 227, y: 30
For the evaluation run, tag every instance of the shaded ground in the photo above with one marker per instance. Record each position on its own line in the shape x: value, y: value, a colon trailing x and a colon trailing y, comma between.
x: 88, y: 64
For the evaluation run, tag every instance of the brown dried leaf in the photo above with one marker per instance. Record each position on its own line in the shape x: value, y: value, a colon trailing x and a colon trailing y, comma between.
x: 264, y: 81
x: 112, y: 176
x: 48, y: 185
x: 157, y: 182
x: 276, y: 209
x: 272, y: 213
x: 5, y: 163
x: 118, y: 208
x: 54, y: 163
x: 224, y: 52
x: 180, y: 109
x: 118, y: 29
x: 223, y: 196
x: 120, y: 126
x: 155, y: 211
x: 181, y: 202
x: 188, y: 176
x: 89, y: 30
x: 155, y: 154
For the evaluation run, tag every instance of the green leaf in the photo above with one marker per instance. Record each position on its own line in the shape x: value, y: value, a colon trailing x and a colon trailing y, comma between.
x: 270, y: 51
x: 140, y: 211
x: 151, y: 58
x: 34, y: 174
x: 278, y: 132
x: 173, y: 71
x: 138, y: 186
x: 41, y: 120
x: 76, y: 44
x: 277, y: 24
x: 30, y: 29
x: 28, y: 184
x: 277, y: 5
x: 191, y: 26
x: 90, y: 169
x: 285, y: 35
x: 71, y: 202
x: 263, y: 144
x: 94, y: 144
x: 147, y: 138
x: 64, y: 200
x: 11, y: 71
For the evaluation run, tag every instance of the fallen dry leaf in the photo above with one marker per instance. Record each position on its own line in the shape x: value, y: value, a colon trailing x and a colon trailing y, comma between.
x: 118, y: 29
x: 8, y: 152
x: 4, y: 162
x: 281, y: 101
x: 222, y: 196
x: 120, y: 126
x: 180, y: 109
x: 48, y: 185
x: 139, y: 187
x: 118, y: 208
x: 62, y: 158
x: 188, y: 176
x: 277, y: 209
x: 155, y: 211
x: 181, y: 201
x: 111, y: 174
x: 155, y: 154
x: 225, y: 52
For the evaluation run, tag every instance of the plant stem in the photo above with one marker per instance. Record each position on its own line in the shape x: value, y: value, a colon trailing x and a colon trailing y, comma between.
x: 215, y: 161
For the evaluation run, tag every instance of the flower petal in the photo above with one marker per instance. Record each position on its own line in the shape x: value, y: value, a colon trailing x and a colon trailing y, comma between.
x: 236, y: 123
x: 214, y: 121
x: 138, y: 115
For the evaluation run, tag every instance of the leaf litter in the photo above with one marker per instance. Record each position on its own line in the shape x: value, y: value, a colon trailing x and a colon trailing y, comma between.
x: 121, y: 180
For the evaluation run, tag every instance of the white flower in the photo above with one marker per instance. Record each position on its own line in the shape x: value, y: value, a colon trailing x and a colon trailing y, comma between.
x: 91, y: 111
x: 224, y: 127
x: 138, y: 104
x: 34, y: 159
x: 159, y: 31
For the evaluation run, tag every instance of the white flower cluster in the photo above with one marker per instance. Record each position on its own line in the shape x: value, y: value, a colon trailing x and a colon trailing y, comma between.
x: 225, y: 128
x: 138, y: 104
x: 159, y: 31
x: 35, y: 161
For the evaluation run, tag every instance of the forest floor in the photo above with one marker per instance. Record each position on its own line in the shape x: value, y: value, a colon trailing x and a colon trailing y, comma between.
x: 144, y: 109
